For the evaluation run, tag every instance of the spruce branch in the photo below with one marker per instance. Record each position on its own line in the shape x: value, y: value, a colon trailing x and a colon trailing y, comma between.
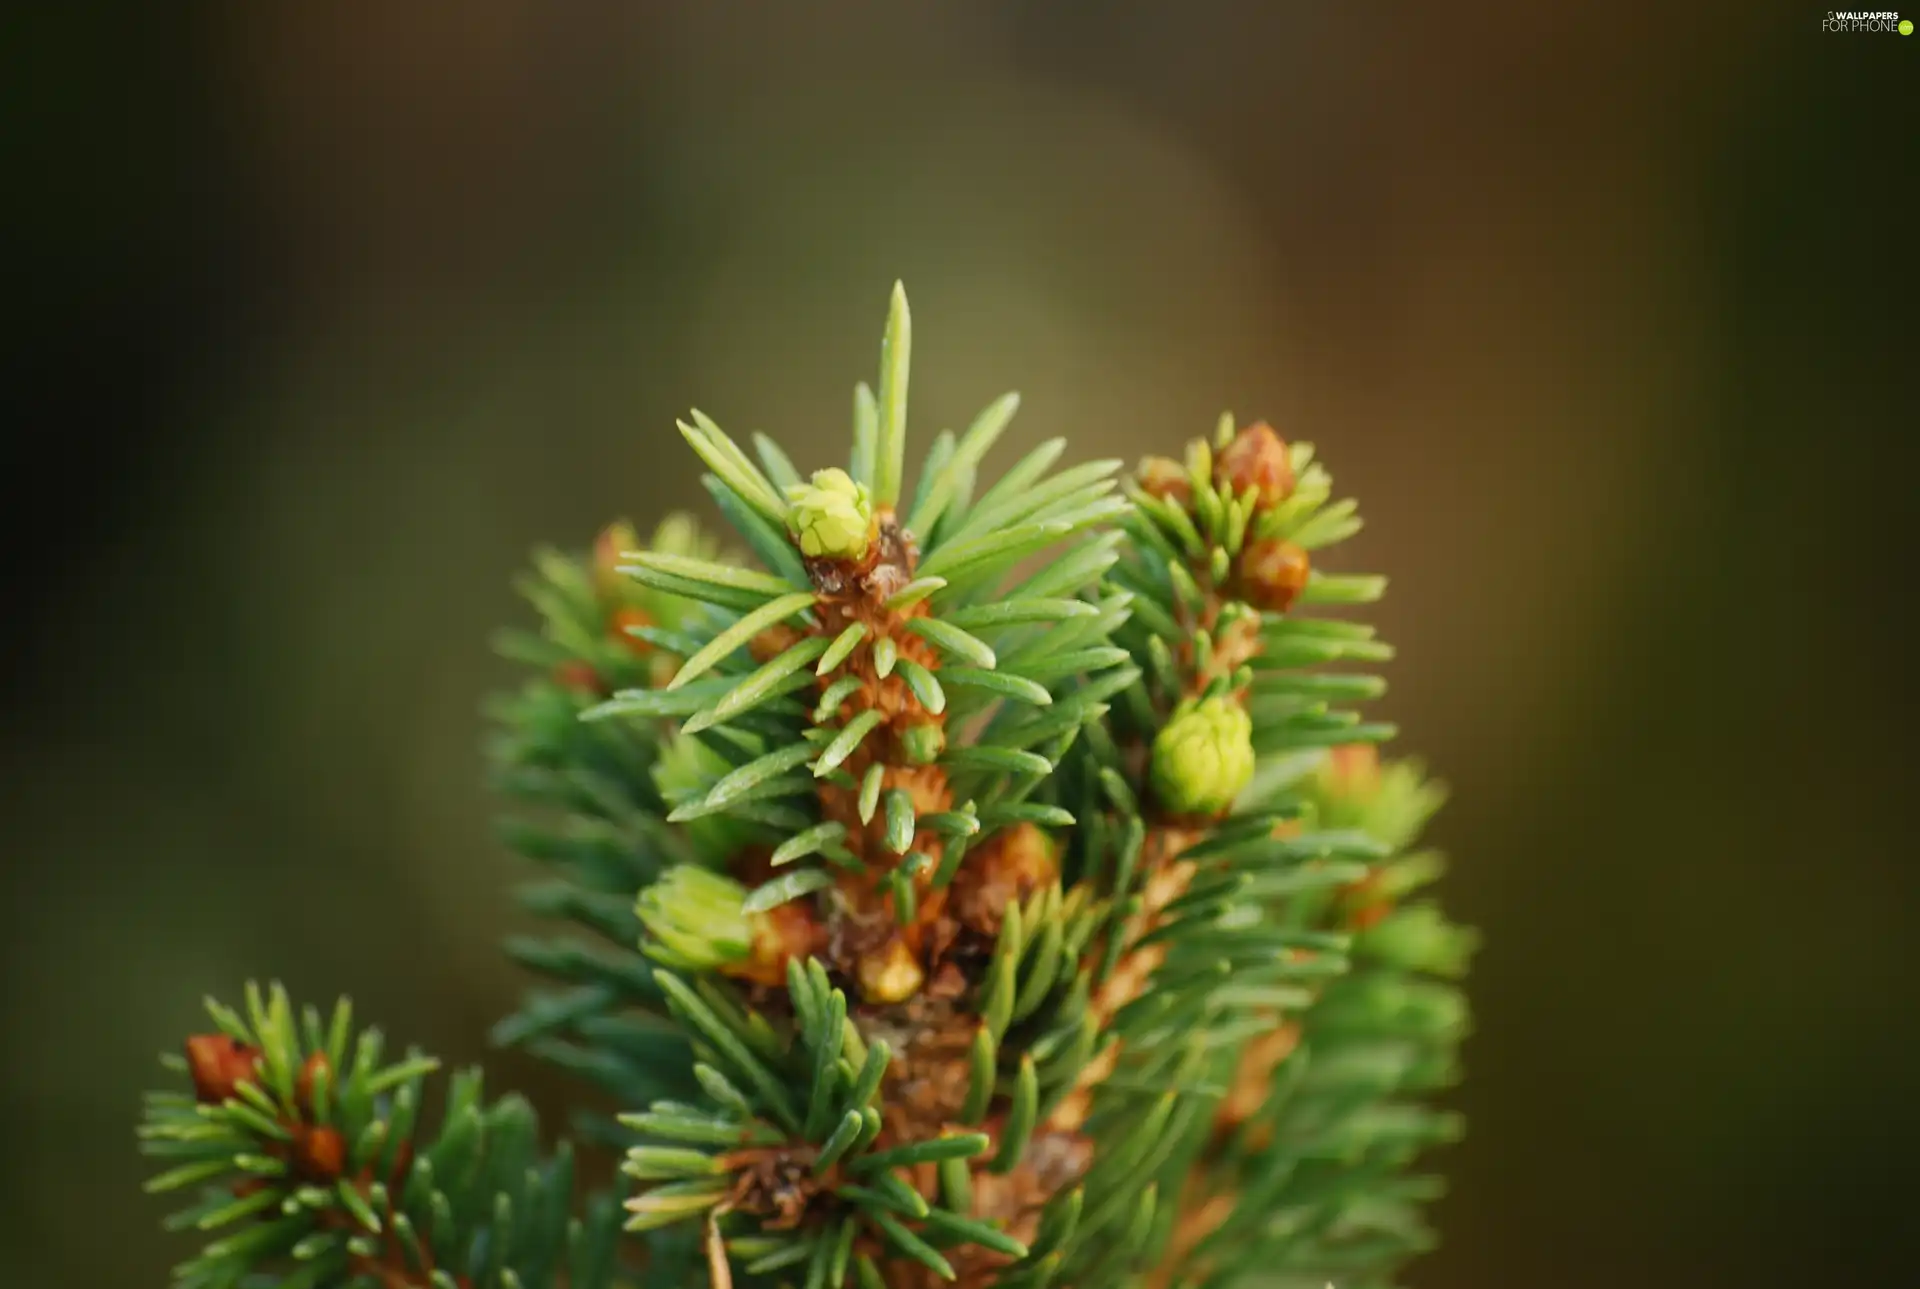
x: 992, y: 883
x: 1042, y: 838
x: 312, y: 1170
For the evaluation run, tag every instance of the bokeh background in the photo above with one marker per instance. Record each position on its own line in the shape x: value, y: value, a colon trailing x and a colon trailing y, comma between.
x: 323, y: 315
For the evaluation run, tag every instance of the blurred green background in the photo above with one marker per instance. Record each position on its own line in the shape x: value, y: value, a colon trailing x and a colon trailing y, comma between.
x: 325, y: 315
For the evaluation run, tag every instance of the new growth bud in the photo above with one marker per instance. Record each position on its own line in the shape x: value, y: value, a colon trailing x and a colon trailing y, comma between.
x: 1272, y: 574
x: 614, y: 541
x: 219, y: 1065
x: 1166, y: 478
x: 1257, y: 458
x: 694, y: 919
x: 1351, y: 772
x: 832, y: 517
x: 1203, y: 759
x: 621, y: 622
x: 1419, y: 939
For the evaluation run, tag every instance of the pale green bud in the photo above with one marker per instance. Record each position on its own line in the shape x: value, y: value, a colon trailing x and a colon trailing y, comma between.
x: 831, y: 516
x: 694, y: 919
x: 1203, y: 759
x: 1420, y: 939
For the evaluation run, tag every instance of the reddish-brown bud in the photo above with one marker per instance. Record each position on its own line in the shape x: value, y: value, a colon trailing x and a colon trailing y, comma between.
x: 1272, y: 574
x: 1165, y: 477
x: 319, y: 1153
x: 1365, y: 903
x: 1257, y: 458
x: 1351, y: 770
x: 219, y: 1064
x: 620, y: 619
x: 1369, y: 916
x: 614, y: 542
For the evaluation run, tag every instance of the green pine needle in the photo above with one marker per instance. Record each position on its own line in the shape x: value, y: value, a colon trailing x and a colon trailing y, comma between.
x: 963, y: 1146
x: 779, y: 468
x: 788, y: 886
x: 925, y: 686
x: 890, y: 439
x: 971, y: 449
x: 870, y: 792
x: 736, y: 636
x: 1021, y: 1115
x: 997, y: 682
x: 813, y: 841
x: 699, y: 570
x: 846, y: 743
x: 777, y: 678
x: 995, y: 549
x: 914, y: 592
x: 953, y: 641
x: 900, y: 821
x: 734, y: 470
x: 1007, y: 613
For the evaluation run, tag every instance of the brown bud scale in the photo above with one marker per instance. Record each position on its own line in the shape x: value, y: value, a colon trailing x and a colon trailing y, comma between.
x: 1256, y: 458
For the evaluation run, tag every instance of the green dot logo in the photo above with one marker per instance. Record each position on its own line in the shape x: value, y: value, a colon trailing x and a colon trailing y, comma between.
x: 1906, y: 26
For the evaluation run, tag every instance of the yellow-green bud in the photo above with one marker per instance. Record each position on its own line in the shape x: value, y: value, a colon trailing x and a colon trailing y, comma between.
x: 1203, y: 759
x: 1420, y: 939
x: 694, y: 919
x: 831, y: 516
